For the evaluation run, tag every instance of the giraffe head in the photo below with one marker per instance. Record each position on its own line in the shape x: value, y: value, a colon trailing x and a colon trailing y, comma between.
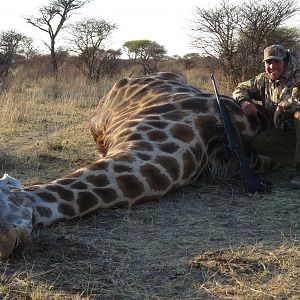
x: 15, y: 218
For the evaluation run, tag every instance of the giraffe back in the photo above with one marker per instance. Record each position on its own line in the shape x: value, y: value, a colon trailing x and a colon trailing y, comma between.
x: 159, y: 118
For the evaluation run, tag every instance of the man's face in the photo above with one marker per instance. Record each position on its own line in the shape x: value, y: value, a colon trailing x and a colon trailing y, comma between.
x: 274, y: 68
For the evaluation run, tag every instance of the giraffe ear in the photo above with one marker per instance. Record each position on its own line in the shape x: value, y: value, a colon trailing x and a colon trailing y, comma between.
x: 10, y: 182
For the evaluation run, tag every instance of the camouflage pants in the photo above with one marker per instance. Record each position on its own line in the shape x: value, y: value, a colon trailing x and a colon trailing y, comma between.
x: 282, y: 146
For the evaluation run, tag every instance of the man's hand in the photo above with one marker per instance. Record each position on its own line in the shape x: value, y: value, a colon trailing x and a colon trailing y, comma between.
x: 248, y: 108
x: 278, y: 115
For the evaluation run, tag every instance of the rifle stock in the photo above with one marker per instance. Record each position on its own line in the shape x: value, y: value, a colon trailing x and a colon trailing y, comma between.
x: 252, y: 183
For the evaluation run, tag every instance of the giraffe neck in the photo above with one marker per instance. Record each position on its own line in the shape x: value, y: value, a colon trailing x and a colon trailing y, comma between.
x: 112, y: 182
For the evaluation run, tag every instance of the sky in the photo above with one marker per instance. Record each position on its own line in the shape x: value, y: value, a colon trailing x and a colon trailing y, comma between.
x: 167, y: 22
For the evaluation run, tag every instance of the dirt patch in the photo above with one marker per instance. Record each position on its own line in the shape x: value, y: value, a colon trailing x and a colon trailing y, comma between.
x: 204, y: 241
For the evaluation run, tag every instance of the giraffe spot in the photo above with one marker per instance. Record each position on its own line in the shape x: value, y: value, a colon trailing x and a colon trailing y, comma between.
x: 130, y: 185
x: 98, y: 180
x: 170, y: 164
x: 120, y: 83
x: 195, y: 104
x: 86, y: 201
x: 27, y: 215
x: 175, y: 116
x: 66, y: 210
x: 75, y: 174
x: 112, y: 95
x: 120, y: 96
x: 154, y: 84
x: 107, y: 195
x: 97, y: 166
x: 156, y: 180
x: 197, y: 151
x: 168, y: 147
x: 183, y: 90
x: 134, y: 137
x: 207, y: 127
x: 44, y: 211
x: 158, y: 124
x: 258, y: 164
x: 160, y: 109
x: 130, y: 90
x: 122, y: 168
x: 121, y: 204
x: 15, y: 200
x: 143, y: 128
x: 140, y: 92
x: 143, y: 156
x: 79, y: 186
x: 31, y: 188
x: 142, y: 146
x: 146, y: 199
x: 161, y: 89
x: 213, y: 144
x: 13, y: 207
x: 152, y: 118
x: 132, y: 124
x: 175, y: 187
x: 157, y: 135
x: 183, y: 133
x: 63, y: 193
x: 66, y: 181
x: 124, y: 133
x: 48, y: 197
x: 123, y: 157
x: 189, y: 164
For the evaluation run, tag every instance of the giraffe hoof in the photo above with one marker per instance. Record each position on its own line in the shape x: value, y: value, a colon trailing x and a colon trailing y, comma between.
x: 8, y: 239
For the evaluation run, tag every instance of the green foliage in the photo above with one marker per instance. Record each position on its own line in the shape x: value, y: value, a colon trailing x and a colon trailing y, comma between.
x: 145, y: 52
x: 144, y: 49
x: 192, y: 56
x: 12, y: 44
x: 287, y: 36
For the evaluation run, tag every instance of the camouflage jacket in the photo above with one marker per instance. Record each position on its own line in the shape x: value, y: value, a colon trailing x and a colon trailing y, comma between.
x: 284, y: 92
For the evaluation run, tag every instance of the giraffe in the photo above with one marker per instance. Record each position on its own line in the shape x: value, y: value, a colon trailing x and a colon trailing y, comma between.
x: 154, y: 133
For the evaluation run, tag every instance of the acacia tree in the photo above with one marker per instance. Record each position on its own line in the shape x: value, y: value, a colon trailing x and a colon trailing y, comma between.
x: 289, y: 36
x: 13, y: 43
x: 235, y: 34
x: 87, y: 40
x: 51, y: 19
x: 145, y: 52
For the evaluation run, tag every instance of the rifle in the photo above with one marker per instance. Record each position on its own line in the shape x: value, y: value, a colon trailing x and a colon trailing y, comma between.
x: 233, y: 143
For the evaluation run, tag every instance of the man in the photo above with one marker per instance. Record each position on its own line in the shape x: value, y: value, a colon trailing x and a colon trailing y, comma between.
x: 277, y: 89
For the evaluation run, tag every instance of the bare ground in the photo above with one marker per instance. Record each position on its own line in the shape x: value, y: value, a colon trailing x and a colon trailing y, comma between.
x: 169, y: 250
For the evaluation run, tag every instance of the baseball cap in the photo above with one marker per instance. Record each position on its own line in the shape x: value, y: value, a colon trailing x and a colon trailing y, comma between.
x: 274, y: 52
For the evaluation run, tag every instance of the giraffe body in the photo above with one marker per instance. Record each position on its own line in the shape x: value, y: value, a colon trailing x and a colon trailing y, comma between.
x: 154, y: 133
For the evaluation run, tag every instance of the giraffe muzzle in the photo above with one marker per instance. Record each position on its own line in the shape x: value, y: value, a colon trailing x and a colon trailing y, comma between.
x: 11, y: 237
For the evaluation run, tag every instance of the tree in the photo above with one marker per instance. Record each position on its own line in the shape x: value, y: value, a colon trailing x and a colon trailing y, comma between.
x: 235, y: 34
x: 12, y: 44
x: 51, y: 20
x: 87, y: 40
x: 145, y: 52
x: 287, y: 36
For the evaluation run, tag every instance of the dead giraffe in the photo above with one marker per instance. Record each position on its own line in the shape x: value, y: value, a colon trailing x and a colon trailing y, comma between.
x: 154, y: 133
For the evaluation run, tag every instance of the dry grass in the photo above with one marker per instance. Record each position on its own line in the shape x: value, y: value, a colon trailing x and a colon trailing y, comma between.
x: 251, y: 272
x: 204, y: 241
